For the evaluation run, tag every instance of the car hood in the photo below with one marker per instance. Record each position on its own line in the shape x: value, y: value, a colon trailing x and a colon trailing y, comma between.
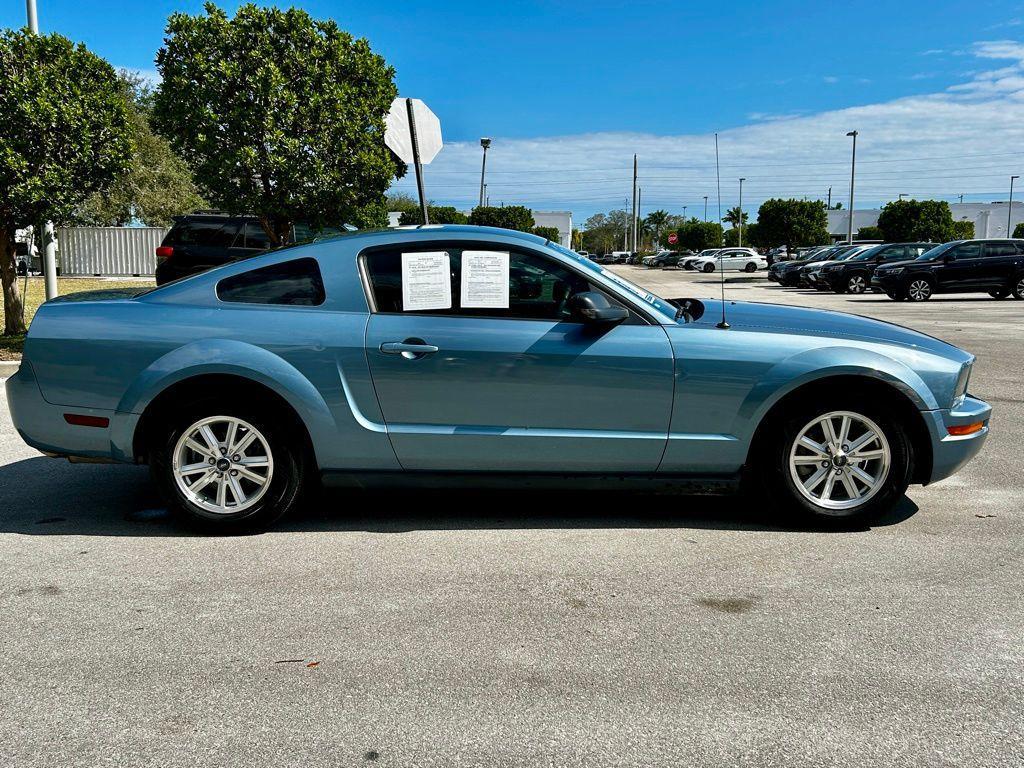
x: 777, y: 318
x: 905, y: 263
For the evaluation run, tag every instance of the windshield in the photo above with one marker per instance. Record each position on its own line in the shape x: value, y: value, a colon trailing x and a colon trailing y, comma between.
x: 937, y: 251
x: 869, y: 253
x: 643, y: 294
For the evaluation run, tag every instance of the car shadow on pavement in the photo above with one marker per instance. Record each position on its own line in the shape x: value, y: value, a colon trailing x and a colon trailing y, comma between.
x: 53, y: 497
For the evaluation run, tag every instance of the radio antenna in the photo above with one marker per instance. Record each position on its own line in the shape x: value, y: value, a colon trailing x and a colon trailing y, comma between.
x: 723, y: 324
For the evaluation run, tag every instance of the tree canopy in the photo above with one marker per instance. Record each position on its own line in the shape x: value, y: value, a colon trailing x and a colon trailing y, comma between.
x: 64, y: 134
x: 796, y: 223
x: 1018, y: 231
x: 279, y: 115
x: 695, y: 235
x: 439, y: 214
x: 916, y: 220
x: 516, y: 217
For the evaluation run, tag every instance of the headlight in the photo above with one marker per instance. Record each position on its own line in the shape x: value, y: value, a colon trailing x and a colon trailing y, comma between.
x: 962, y: 380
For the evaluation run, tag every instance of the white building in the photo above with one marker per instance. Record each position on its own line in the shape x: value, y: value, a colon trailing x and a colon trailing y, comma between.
x: 989, y: 219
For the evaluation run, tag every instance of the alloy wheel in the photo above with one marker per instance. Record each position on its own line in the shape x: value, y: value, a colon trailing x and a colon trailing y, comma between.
x: 222, y: 464
x: 840, y: 460
x: 856, y: 284
x: 919, y: 290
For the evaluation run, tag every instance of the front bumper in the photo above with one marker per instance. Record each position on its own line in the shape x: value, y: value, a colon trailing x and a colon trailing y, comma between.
x: 951, y: 452
x: 887, y: 283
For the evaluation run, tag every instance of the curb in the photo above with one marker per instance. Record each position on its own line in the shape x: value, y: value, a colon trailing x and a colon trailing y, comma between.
x: 9, y: 367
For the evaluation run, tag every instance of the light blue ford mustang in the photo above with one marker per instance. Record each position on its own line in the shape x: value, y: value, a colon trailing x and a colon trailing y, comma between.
x: 350, y: 360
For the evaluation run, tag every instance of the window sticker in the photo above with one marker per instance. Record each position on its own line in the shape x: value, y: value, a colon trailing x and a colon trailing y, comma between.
x: 485, y: 279
x: 426, y: 281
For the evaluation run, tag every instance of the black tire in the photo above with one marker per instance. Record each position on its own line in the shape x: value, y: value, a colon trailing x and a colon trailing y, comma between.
x: 708, y: 268
x: 1018, y: 287
x: 895, y: 296
x: 856, y: 284
x: 1002, y: 293
x: 751, y: 267
x: 773, y: 471
x: 291, y: 465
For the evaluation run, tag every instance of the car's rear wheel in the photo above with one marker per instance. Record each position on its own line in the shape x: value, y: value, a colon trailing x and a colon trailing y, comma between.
x: 228, y: 467
x: 1018, y: 287
x: 1002, y: 293
x: 895, y: 296
x: 837, y: 460
x: 751, y: 267
x: 709, y: 267
x: 856, y: 284
x: 919, y: 289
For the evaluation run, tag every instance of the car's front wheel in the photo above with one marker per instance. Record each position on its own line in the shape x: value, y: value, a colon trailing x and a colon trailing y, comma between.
x: 1002, y: 293
x: 838, y: 460
x: 1018, y: 288
x: 856, y: 284
x: 919, y: 289
x: 228, y: 467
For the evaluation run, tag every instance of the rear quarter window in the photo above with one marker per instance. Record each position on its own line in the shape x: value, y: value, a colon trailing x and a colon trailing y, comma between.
x: 290, y: 283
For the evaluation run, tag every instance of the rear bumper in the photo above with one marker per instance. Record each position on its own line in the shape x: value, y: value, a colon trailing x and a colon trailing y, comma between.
x: 951, y: 452
x: 43, y: 426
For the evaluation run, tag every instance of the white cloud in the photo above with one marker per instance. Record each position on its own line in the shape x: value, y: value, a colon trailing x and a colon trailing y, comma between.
x: 968, y: 138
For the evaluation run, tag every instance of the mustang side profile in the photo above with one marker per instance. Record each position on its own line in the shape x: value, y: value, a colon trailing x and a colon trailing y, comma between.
x: 466, y: 355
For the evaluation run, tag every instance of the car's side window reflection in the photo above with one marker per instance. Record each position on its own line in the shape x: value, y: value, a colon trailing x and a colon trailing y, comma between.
x: 539, y: 288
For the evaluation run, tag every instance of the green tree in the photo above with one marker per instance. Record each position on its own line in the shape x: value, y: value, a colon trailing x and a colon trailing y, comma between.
x: 1018, y: 231
x: 796, y: 223
x: 402, y: 202
x: 548, y: 233
x: 157, y: 186
x: 279, y: 115
x: 516, y: 217
x: 870, y: 233
x: 697, y: 235
x: 732, y: 217
x: 64, y: 134
x: 655, y: 222
x: 439, y: 214
x: 964, y: 230
x: 916, y: 220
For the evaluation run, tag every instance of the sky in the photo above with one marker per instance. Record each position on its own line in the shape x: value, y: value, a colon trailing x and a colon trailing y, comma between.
x: 569, y: 91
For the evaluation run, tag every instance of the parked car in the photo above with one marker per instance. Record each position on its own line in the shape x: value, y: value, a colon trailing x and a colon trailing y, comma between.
x: 619, y: 257
x: 803, y: 274
x: 687, y: 261
x: 197, y: 242
x: 808, y: 276
x: 361, y: 359
x: 742, y: 259
x: 665, y: 259
x: 853, y: 275
x: 995, y: 267
x: 787, y: 273
x: 635, y: 258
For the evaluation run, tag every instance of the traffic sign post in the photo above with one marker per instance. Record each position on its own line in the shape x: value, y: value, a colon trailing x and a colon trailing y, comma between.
x: 673, y: 238
x: 413, y: 133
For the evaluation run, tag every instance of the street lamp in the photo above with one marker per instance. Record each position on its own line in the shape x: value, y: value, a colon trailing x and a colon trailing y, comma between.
x: 684, y: 213
x: 902, y: 195
x: 739, y: 240
x: 705, y: 207
x: 1009, y: 211
x: 485, y: 143
x: 853, y: 174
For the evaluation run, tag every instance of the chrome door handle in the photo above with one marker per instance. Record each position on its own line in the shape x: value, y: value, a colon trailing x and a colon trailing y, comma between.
x: 410, y: 349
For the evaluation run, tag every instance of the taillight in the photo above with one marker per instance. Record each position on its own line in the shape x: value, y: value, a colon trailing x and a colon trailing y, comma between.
x: 164, y: 252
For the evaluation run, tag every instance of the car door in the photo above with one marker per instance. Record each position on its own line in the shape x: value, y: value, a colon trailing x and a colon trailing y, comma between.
x: 998, y: 263
x: 961, y: 268
x: 518, y: 386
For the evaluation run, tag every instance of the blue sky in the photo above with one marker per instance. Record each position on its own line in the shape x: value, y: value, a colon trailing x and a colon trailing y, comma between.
x: 570, y: 90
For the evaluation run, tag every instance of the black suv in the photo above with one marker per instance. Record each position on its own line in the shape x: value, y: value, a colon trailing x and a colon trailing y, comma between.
x: 995, y: 267
x: 853, y: 275
x: 200, y: 241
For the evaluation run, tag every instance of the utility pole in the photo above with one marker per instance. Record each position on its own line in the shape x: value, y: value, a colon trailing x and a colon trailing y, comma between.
x: 485, y: 143
x: 48, y: 241
x: 633, y: 219
x: 829, y: 206
x: 705, y: 208
x: 739, y: 240
x: 853, y: 174
x: 1009, y: 208
x: 961, y: 197
x: 639, y: 235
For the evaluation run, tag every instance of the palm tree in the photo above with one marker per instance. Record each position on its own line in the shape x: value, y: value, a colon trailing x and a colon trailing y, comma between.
x: 656, y: 221
x: 732, y: 217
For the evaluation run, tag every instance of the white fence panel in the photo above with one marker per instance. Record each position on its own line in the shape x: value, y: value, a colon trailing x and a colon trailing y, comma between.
x: 108, y: 250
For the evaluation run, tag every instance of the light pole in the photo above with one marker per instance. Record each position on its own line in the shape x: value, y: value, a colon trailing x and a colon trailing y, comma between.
x: 684, y: 213
x: 828, y: 206
x: 705, y: 207
x: 33, y: 19
x: 739, y: 240
x: 853, y: 174
x: 902, y: 195
x: 485, y: 143
x: 1009, y: 208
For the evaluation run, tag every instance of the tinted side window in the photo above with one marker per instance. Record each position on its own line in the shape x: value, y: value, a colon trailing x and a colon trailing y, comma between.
x: 913, y: 251
x: 894, y: 254
x: 211, y: 233
x: 967, y: 251
x: 995, y: 250
x: 295, y: 283
x: 256, y: 236
x: 539, y: 288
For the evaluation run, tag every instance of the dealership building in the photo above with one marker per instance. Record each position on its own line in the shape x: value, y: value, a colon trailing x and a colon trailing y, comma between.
x: 989, y: 219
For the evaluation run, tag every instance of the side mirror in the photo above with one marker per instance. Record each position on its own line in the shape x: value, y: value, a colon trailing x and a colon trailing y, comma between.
x: 594, y: 307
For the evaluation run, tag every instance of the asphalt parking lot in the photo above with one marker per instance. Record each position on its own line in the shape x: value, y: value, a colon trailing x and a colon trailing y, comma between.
x: 527, y: 629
